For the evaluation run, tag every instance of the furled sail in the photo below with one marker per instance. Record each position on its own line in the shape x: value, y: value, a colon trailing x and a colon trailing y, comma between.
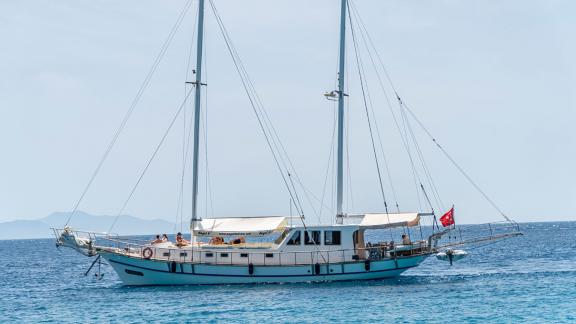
x: 250, y: 226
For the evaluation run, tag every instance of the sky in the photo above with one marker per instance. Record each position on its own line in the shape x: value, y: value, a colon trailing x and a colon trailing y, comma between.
x: 494, y: 81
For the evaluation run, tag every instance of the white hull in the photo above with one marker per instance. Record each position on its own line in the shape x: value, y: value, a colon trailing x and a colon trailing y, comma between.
x: 142, y: 272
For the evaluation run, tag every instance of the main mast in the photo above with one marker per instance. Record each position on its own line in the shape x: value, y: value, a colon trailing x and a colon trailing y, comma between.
x: 197, y: 103
x: 341, y: 95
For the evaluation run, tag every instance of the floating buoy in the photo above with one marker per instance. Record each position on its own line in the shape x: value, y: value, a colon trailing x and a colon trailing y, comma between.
x: 451, y: 255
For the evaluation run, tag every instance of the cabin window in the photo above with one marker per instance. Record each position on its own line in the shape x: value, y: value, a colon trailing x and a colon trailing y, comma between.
x: 312, y: 238
x: 269, y: 255
x: 224, y: 255
x: 243, y: 255
x: 295, y: 239
x: 332, y: 238
x: 209, y: 254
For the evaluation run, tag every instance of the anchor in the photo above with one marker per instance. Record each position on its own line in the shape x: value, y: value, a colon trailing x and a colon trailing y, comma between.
x: 99, y: 274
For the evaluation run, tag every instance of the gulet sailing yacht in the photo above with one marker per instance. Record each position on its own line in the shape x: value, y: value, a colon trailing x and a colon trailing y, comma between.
x: 230, y: 251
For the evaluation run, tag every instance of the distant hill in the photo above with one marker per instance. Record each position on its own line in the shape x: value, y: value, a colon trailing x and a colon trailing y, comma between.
x: 40, y: 228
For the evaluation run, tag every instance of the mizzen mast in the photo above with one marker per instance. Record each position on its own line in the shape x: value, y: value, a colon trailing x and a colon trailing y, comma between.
x: 341, y: 95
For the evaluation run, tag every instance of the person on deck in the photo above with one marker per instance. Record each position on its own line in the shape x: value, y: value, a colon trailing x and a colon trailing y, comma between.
x: 239, y: 240
x: 164, y: 238
x: 157, y: 240
x: 406, y: 239
x: 216, y: 240
x: 180, y: 241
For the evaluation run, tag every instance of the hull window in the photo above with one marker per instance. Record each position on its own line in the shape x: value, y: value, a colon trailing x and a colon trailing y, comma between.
x: 224, y: 255
x: 134, y: 273
x: 243, y: 255
x: 209, y: 255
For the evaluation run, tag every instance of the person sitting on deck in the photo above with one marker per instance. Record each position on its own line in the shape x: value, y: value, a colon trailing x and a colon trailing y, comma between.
x: 164, y: 238
x: 216, y: 240
x: 239, y: 240
x: 180, y: 241
x: 157, y: 240
x: 406, y: 239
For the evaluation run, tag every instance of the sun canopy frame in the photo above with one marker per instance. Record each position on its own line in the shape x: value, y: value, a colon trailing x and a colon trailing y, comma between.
x: 383, y: 220
x: 240, y: 226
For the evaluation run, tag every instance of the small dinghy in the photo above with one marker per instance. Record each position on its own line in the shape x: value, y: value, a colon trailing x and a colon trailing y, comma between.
x: 451, y: 255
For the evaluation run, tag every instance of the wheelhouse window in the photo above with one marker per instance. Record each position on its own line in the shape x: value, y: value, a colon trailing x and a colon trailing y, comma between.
x: 312, y: 238
x: 332, y: 237
x: 295, y: 239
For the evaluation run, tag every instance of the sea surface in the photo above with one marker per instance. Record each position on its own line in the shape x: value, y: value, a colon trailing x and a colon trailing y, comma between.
x: 526, y: 279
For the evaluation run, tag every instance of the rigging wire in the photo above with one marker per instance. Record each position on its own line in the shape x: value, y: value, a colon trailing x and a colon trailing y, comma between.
x: 458, y: 167
x: 427, y: 174
x: 182, y: 105
x: 185, y: 137
x: 133, y: 105
x: 361, y: 76
x: 447, y: 155
x: 384, y: 157
x: 209, y: 193
x: 269, y: 128
x: 328, y: 166
x: 253, y: 98
x: 365, y: 35
x: 244, y: 79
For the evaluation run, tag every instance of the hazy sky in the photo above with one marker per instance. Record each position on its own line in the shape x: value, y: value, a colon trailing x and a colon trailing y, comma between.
x: 493, y: 80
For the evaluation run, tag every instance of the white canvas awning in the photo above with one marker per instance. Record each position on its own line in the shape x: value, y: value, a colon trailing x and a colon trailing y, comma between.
x: 390, y: 220
x: 247, y: 226
x: 374, y: 221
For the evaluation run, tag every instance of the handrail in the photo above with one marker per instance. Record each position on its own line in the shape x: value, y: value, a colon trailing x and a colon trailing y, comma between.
x: 273, y: 258
x: 245, y: 255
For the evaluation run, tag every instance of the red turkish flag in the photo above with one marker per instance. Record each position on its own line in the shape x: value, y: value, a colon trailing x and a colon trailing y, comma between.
x: 448, y: 218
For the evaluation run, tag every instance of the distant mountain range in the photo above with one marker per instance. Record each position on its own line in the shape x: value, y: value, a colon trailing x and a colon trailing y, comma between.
x: 40, y: 228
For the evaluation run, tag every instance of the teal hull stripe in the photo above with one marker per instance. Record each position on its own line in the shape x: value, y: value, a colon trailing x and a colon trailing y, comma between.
x: 259, y: 276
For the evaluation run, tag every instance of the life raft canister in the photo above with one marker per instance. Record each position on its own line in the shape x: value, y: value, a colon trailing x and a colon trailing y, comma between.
x: 147, y: 253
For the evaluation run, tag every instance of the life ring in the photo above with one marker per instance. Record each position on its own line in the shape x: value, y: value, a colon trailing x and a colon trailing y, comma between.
x: 147, y: 253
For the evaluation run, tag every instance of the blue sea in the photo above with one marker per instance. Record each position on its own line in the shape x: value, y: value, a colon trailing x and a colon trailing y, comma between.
x: 525, y: 279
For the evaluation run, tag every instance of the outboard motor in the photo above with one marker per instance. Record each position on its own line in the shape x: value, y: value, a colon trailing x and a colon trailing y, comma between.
x: 451, y: 255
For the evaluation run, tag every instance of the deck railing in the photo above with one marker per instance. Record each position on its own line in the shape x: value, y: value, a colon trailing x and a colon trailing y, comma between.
x: 243, y: 256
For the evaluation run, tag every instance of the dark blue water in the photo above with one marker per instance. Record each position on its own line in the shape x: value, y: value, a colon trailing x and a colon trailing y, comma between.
x: 526, y: 279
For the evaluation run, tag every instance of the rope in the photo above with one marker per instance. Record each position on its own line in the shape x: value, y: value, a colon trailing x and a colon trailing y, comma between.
x: 244, y: 79
x: 182, y: 105
x: 361, y: 76
x: 185, y: 138
x: 458, y: 167
x: 427, y: 174
x: 266, y: 124
x: 368, y: 41
x: 389, y: 79
x: 133, y: 105
x: 254, y: 101
x: 330, y: 155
